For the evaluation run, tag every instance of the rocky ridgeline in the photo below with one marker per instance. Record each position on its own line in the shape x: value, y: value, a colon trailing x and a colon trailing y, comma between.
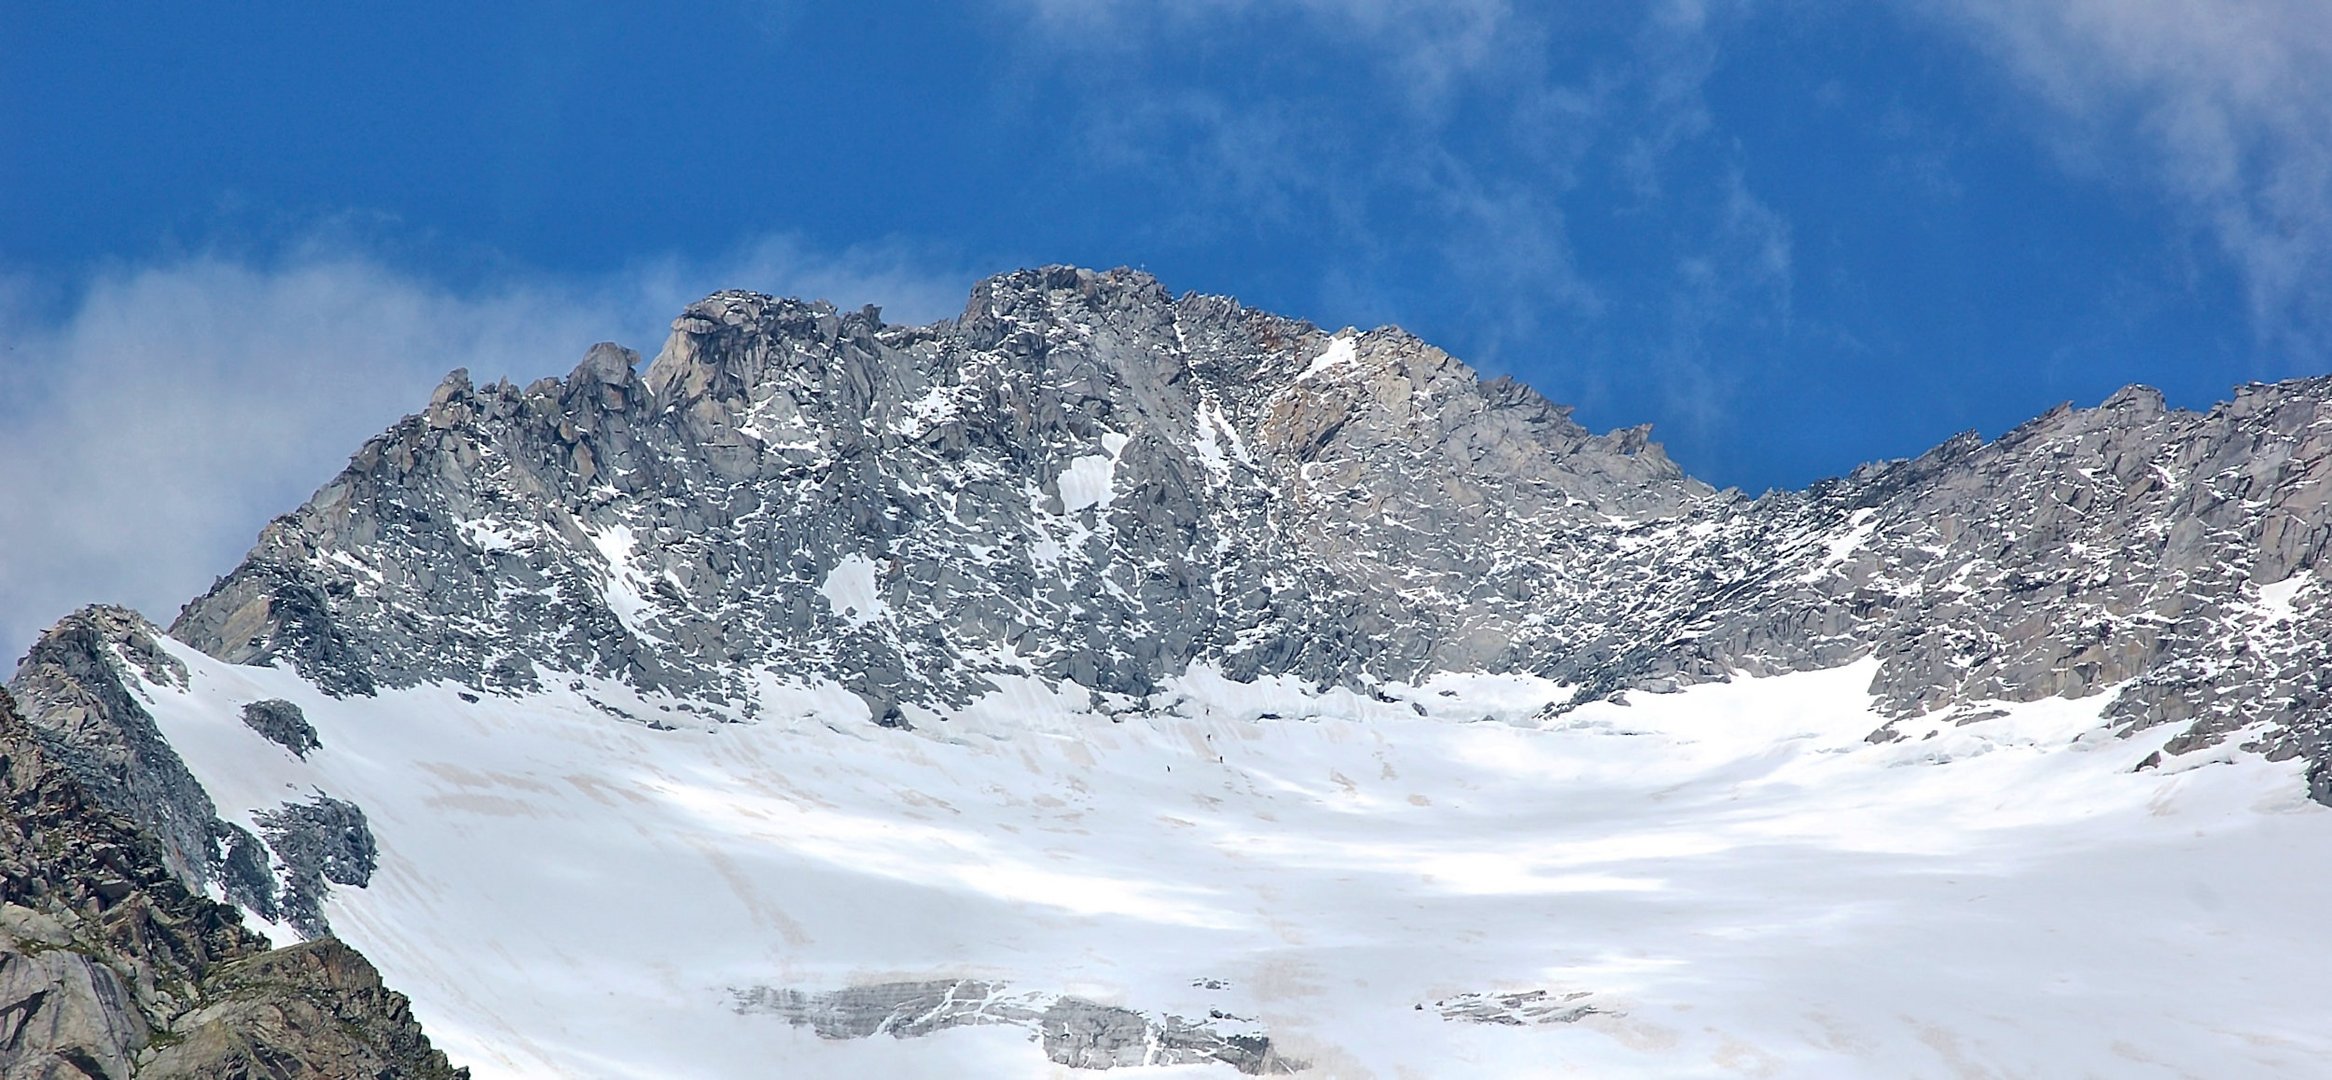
x: 1088, y: 479
x: 112, y: 968
x: 1082, y: 477
x: 2177, y: 558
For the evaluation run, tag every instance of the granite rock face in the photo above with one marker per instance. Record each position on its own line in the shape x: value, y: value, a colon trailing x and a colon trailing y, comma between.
x: 1088, y: 479
x: 313, y: 1009
x: 1083, y: 477
x: 111, y: 968
x: 2176, y: 559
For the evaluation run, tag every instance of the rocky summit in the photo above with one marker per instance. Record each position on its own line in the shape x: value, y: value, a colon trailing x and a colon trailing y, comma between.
x: 841, y: 614
x: 1087, y: 479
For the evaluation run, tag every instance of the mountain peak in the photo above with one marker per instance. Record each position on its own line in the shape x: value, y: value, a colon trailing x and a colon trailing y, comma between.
x: 1088, y: 481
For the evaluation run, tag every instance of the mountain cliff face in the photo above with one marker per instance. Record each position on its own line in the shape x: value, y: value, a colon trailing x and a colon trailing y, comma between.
x: 1086, y: 479
x: 932, y: 674
x: 1082, y: 478
x: 2175, y: 560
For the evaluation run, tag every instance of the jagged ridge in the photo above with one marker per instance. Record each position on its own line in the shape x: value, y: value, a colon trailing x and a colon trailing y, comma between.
x: 1089, y: 479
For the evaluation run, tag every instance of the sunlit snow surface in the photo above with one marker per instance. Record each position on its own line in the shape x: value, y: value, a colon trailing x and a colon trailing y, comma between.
x: 1738, y: 880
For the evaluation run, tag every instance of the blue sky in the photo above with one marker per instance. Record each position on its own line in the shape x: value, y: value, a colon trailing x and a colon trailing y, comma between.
x: 1792, y: 236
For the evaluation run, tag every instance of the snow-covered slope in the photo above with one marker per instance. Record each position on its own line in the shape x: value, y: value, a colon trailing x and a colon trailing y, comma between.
x: 1107, y: 678
x: 1730, y: 880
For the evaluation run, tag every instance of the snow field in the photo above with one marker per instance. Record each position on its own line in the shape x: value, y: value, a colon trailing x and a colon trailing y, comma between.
x: 1740, y: 883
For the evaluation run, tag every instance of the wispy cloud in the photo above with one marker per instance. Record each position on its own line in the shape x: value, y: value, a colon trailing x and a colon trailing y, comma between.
x: 2229, y: 103
x: 1427, y: 47
x: 160, y: 414
x: 1455, y: 149
x: 1740, y: 274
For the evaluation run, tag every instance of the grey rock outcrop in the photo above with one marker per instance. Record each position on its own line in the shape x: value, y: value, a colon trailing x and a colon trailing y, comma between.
x: 1073, y: 1031
x: 62, y: 1014
x: 323, y: 840
x: 283, y: 724
x: 2178, y: 558
x: 1089, y: 1035
x: 1519, y: 1008
x: 1087, y: 479
x: 313, y: 1009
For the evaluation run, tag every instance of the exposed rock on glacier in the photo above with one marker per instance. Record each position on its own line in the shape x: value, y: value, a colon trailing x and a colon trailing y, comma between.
x: 1518, y: 1008
x: 283, y: 723
x: 1073, y: 1031
x: 321, y: 840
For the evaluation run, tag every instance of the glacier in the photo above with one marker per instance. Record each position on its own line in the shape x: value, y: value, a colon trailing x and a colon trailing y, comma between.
x: 1731, y: 880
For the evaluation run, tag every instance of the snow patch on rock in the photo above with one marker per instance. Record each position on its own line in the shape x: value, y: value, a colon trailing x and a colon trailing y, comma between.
x: 1090, y: 481
x: 1340, y: 353
x: 851, y: 592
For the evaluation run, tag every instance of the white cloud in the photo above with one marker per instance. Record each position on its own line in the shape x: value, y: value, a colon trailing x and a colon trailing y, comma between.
x: 2231, y: 101
x: 1427, y: 46
x: 1457, y: 157
x: 161, y: 414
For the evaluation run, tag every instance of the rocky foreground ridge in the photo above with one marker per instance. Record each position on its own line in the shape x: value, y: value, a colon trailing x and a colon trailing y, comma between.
x: 111, y: 968
x: 1086, y: 478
